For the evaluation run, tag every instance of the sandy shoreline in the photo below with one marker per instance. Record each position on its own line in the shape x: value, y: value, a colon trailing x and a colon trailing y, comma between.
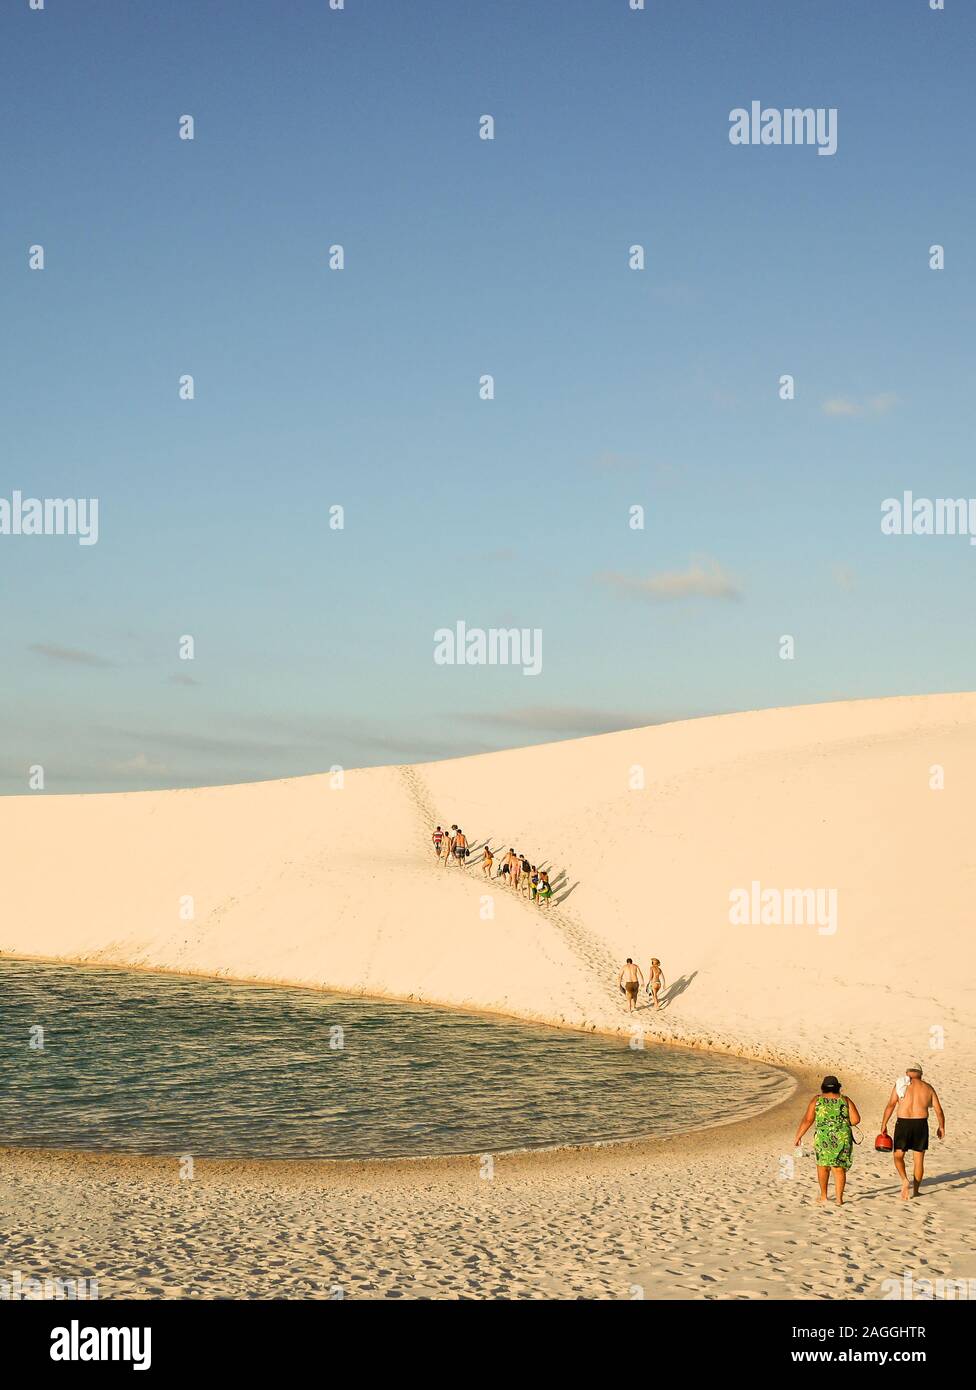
x: 706, y: 1215
x: 836, y: 796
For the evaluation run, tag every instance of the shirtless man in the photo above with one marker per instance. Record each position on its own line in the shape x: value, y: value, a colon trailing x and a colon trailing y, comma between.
x: 630, y: 981
x: 461, y: 847
x: 913, y: 1098
x: 451, y: 842
x: 655, y: 980
x: 509, y: 869
x: 516, y: 873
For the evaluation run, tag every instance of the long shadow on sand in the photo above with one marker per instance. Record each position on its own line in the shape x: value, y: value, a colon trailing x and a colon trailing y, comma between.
x: 677, y: 989
x: 965, y: 1173
x: 890, y: 1187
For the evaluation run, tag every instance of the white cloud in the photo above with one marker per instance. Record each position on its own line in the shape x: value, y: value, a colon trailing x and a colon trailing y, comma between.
x: 704, y: 578
x: 871, y: 405
x: 840, y: 405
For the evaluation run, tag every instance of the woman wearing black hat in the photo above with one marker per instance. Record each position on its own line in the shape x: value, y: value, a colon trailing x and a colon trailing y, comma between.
x: 832, y: 1115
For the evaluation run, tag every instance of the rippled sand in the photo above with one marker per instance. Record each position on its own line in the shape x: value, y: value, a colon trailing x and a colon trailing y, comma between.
x: 706, y: 1216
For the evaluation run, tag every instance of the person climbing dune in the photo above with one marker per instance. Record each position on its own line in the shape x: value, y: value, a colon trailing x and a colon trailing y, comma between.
x: 630, y: 980
x: 655, y: 980
x: 451, y: 841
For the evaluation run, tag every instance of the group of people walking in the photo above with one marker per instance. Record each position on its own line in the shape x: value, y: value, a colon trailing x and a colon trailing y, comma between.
x: 452, y: 844
x: 451, y: 847
x: 521, y: 875
x: 835, y: 1119
x: 833, y: 1116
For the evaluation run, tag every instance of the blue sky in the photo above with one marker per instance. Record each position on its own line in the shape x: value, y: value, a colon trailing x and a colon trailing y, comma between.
x: 613, y: 387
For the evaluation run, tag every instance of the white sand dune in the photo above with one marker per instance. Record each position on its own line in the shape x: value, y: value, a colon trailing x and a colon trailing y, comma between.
x: 295, y: 881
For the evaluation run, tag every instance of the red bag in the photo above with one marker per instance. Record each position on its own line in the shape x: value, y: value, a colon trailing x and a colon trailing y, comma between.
x: 883, y: 1144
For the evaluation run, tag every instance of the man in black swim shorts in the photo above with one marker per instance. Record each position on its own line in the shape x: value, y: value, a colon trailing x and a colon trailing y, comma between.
x: 912, y: 1098
x: 911, y: 1134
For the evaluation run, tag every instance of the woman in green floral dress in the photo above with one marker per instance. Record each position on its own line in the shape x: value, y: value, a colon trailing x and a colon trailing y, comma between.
x: 832, y: 1115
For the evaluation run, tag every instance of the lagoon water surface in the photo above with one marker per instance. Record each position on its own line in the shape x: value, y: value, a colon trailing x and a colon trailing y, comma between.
x: 156, y: 1064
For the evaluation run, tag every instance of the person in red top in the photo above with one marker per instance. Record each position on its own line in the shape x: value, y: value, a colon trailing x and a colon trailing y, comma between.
x: 438, y: 839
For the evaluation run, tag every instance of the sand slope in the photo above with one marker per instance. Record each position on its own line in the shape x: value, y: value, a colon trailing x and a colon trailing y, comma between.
x: 298, y: 882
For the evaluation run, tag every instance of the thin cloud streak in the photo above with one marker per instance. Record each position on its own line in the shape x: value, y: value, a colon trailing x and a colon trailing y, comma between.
x: 845, y: 406
x: 562, y: 719
x: 70, y: 655
x: 704, y: 578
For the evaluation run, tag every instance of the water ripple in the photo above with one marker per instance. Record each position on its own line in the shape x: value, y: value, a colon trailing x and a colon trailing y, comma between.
x: 166, y: 1065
